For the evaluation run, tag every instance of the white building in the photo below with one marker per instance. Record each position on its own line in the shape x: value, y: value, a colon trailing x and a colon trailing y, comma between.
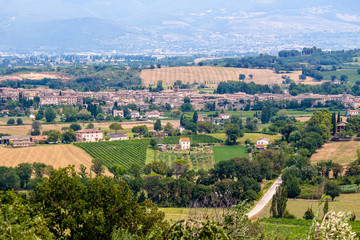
x: 118, y: 113
x: 134, y: 114
x: 353, y: 113
x: 118, y: 136
x: 262, y: 141
x: 89, y: 135
x: 184, y: 143
x: 152, y: 114
x: 225, y: 116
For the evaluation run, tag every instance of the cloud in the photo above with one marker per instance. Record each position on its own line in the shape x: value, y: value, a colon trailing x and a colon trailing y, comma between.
x: 316, y: 10
x: 265, y: 2
x: 348, y: 17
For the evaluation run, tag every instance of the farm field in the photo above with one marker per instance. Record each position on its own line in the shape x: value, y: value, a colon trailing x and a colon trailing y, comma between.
x: 211, y: 76
x: 251, y: 136
x: 34, y: 76
x: 222, y: 153
x: 352, y: 74
x: 176, y: 214
x: 123, y: 152
x: 58, y: 156
x: 26, y: 120
x: 201, y: 138
x: 339, y: 152
x: 345, y: 202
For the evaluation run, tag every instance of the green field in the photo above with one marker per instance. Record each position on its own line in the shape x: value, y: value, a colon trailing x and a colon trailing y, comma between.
x: 251, y: 136
x: 196, y: 139
x: 124, y: 153
x: 352, y: 74
x: 227, y: 152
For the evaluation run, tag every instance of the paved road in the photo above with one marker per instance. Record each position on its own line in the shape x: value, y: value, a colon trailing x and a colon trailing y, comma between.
x: 265, y: 199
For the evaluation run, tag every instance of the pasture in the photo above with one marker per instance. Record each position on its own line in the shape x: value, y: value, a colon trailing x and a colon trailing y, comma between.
x: 250, y: 136
x: 211, y: 76
x: 352, y: 74
x: 58, y: 156
x: 339, y: 152
x: 222, y: 153
x: 34, y: 76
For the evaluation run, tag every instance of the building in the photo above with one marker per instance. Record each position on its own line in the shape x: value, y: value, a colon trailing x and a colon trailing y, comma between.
x: 118, y: 113
x: 118, y: 136
x: 134, y: 114
x: 353, y: 113
x: 17, y: 141
x: 340, y: 126
x: 184, y: 143
x: 152, y: 114
x: 225, y: 116
x: 89, y: 135
x: 262, y: 143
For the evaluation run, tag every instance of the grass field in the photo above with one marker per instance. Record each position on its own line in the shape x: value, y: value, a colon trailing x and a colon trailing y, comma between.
x: 251, y: 136
x: 339, y: 152
x: 58, y: 156
x: 35, y: 76
x: 352, y: 74
x: 211, y: 76
x: 344, y: 203
x: 227, y: 152
x: 176, y: 214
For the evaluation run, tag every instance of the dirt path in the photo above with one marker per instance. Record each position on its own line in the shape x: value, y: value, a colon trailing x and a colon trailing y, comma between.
x: 265, y: 199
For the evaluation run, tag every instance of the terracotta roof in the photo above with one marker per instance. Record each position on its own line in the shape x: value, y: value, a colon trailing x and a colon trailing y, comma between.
x: 185, y: 139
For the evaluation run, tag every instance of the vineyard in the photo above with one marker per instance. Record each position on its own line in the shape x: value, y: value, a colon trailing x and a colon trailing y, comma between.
x: 202, y: 158
x: 194, y: 139
x: 123, y: 153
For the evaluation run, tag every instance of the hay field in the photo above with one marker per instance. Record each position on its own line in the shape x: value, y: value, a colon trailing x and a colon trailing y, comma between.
x: 34, y: 76
x: 211, y: 76
x: 339, y: 152
x: 58, y: 156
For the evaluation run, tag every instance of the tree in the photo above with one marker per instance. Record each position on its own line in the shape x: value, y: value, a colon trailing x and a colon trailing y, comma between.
x: 293, y: 188
x: 332, y: 189
x: 115, y: 126
x: 265, y: 115
x: 343, y: 78
x: 19, y: 121
x: 338, y: 117
x: 142, y: 129
x: 97, y: 166
x: 75, y: 127
x: 83, y: 172
x: 206, y: 127
x: 69, y: 136
x: 169, y: 129
x: 157, y: 125
x: 90, y: 126
x: 36, y: 127
x: 191, y: 127
x: 337, y: 169
x: 24, y: 171
x: 38, y: 169
x: 241, y: 77
x: 153, y: 143
x: 333, y: 122
x: 232, y: 132
x: 180, y: 166
x: 54, y: 136
x: 39, y: 115
x: 195, y: 117
x: 50, y: 114
x: 11, y: 121
x: 83, y: 115
x: 278, y: 203
x: 326, y: 206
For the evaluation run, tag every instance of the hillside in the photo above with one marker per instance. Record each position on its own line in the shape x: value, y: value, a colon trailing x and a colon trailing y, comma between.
x: 211, y: 76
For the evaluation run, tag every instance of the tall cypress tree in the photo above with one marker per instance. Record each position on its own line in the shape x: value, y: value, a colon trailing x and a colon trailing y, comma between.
x: 333, y: 122
x: 339, y: 117
x: 195, y: 117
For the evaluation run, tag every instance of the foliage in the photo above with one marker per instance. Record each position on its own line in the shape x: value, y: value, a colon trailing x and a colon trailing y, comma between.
x: 115, y: 126
x: 50, y: 114
x: 157, y: 125
x: 97, y: 166
x: 332, y: 189
x: 309, y: 214
x: 75, y: 127
x: 278, y: 203
x: 232, y: 132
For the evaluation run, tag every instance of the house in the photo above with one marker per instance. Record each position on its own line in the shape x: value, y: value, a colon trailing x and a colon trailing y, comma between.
x: 263, y: 141
x: 39, y: 138
x: 340, y: 126
x: 353, y: 113
x: 225, y: 116
x: 89, y: 135
x: 17, y: 141
x: 184, y: 143
x: 134, y: 114
x: 118, y: 113
x: 118, y: 136
x: 152, y: 114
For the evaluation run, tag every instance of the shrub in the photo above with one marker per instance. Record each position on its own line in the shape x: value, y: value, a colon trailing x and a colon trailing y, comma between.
x: 309, y: 214
x: 11, y: 121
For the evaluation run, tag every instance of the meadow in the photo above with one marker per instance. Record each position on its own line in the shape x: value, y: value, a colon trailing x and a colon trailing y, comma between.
x: 352, y: 74
x: 222, y: 153
x: 339, y: 152
x: 250, y: 136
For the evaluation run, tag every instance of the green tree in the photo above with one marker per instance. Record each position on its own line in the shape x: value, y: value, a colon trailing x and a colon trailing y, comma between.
x: 36, y: 128
x: 50, y: 114
x: 75, y: 127
x: 69, y: 136
x: 11, y: 121
x: 9, y: 179
x: 195, y: 117
x: 24, y: 171
x: 332, y: 189
x: 265, y: 114
x: 97, y: 166
x: 142, y: 129
x: 333, y: 122
x: 157, y: 125
x: 169, y: 129
x: 326, y: 206
x: 39, y: 169
x: 19, y: 121
x: 241, y: 77
x: 54, y: 136
x: 338, y: 117
x: 293, y: 187
x: 115, y: 126
x: 82, y: 173
x: 278, y: 203
x: 232, y: 132
x: 90, y: 126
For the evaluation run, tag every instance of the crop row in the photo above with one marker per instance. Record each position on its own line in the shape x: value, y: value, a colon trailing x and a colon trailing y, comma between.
x: 123, y: 153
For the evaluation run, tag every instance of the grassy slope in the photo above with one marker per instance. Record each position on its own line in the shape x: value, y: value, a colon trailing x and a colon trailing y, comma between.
x: 339, y: 152
x: 251, y: 136
x: 352, y: 74
x: 227, y: 152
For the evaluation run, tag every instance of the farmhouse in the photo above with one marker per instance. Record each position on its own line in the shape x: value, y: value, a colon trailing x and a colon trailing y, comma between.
x: 118, y: 136
x: 184, y: 143
x: 134, y: 114
x: 17, y: 141
x: 262, y: 143
x: 225, y: 116
x: 152, y: 114
x: 118, y: 113
x: 89, y: 135
x: 353, y: 113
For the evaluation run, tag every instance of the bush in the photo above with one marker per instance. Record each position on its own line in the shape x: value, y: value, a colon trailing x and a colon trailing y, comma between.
x: 288, y: 215
x: 19, y: 121
x: 349, y: 188
x: 309, y: 214
x: 11, y: 121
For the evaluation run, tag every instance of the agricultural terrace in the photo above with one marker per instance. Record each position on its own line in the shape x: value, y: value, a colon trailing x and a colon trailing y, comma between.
x: 339, y: 152
x: 211, y: 76
x: 123, y: 153
x: 222, y: 153
x: 58, y: 156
